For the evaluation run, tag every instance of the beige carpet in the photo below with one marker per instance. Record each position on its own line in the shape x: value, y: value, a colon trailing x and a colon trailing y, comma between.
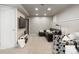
x: 35, y: 45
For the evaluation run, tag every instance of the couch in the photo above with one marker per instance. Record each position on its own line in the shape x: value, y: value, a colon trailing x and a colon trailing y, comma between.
x: 76, y: 43
x: 49, y: 33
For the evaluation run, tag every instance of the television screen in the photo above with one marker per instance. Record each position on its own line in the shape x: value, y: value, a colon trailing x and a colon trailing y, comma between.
x: 22, y: 22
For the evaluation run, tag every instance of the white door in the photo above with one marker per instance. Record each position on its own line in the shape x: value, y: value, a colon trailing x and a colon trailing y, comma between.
x: 8, y: 26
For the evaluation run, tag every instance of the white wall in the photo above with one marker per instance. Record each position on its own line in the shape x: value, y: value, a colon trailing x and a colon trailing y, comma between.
x: 64, y: 19
x: 20, y: 32
x: 7, y: 27
x: 54, y: 22
x: 39, y: 23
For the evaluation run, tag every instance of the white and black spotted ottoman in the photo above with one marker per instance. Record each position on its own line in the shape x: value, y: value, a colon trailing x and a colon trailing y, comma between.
x: 58, y: 45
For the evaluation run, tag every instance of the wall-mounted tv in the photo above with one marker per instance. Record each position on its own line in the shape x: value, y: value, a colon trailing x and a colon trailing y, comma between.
x: 22, y: 22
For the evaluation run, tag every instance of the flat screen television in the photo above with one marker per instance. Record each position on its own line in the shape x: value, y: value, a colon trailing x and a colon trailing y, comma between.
x: 22, y: 22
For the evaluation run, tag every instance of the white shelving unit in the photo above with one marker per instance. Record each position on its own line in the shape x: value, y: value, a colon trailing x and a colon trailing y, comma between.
x: 21, y: 41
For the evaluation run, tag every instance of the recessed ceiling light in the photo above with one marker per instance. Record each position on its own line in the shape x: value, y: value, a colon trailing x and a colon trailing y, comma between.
x: 49, y: 9
x: 36, y: 8
x: 36, y: 14
x: 45, y: 14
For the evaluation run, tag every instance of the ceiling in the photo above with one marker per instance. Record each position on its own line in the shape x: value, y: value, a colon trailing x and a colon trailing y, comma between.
x: 55, y: 8
x: 19, y: 7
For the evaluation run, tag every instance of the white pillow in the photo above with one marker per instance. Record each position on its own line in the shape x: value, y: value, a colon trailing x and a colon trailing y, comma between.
x: 41, y: 30
x: 47, y: 30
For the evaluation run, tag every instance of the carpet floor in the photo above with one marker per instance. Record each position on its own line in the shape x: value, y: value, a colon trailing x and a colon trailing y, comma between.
x: 34, y: 45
